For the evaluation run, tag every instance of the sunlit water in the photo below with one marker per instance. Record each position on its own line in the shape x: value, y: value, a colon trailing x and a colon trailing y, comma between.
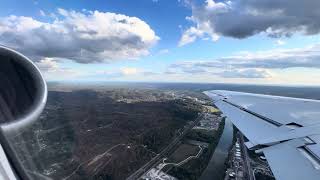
x: 216, y: 167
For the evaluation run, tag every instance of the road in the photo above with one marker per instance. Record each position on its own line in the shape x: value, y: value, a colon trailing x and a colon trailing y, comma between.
x: 183, y: 161
x: 154, y: 161
x: 246, y: 159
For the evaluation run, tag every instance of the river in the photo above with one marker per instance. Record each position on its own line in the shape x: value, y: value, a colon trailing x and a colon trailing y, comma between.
x: 216, y: 167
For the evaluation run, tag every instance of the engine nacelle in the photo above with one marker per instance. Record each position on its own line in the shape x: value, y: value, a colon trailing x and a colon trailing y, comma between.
x: 23, y: 95
x: 23, y: 91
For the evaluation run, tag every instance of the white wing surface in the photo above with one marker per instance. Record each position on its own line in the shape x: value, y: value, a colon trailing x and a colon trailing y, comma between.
x: 286, y: 130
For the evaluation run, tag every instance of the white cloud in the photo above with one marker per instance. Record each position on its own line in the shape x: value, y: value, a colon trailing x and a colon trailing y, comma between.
x: 217, y: 7
x: 190, y: 35
x: 163, y: 51
x: 245, y: 73
x: 51, y: 70
x: 84, y: 37
x: 252, y: 64
x: 42, y: 13
x: 129, y: 71
x: 47, y: 64
x: 280, y: 42
x: 245, y: 18
x: 124, y: 73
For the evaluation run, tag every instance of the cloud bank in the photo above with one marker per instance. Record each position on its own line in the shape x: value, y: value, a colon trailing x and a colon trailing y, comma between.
x: 252, y: 64
x: 84, y: 37
x: 245, y: 18
x: 52, y: 70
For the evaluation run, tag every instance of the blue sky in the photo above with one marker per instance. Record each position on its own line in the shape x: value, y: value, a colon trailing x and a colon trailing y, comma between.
x: 167, y: 40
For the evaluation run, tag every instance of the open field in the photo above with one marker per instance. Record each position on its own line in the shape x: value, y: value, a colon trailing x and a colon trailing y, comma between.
x: 103, y: 134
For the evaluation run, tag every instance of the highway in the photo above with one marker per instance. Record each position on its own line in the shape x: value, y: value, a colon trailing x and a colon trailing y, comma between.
x: 154, y: 161
x: 246, y: 159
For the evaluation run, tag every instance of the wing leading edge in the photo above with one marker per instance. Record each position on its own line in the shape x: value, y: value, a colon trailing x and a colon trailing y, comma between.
x: 286, y: 130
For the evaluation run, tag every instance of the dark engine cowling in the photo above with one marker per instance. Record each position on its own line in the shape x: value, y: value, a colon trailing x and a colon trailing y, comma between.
x: 23, y: 91
x: 23, y: 95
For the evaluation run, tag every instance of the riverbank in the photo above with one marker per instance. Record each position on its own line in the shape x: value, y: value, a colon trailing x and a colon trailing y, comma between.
x: 216, y: 167
x: 194, y: 168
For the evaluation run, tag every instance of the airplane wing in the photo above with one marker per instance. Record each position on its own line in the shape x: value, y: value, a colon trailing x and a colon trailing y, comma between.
x: 286, y: 130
